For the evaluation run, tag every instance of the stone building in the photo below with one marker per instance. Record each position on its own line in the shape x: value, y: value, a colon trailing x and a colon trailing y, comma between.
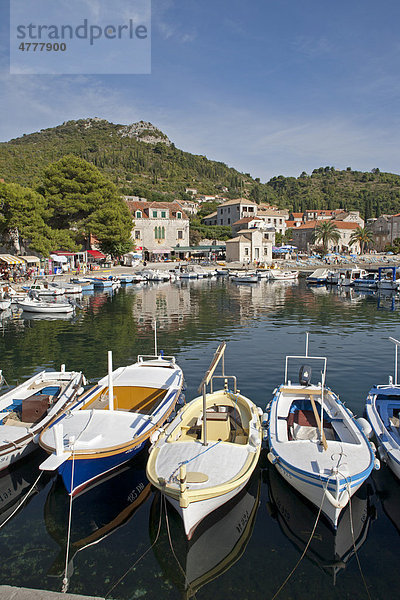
x: 158, y: 227
x: 250, y: 245
x: 302, y: 236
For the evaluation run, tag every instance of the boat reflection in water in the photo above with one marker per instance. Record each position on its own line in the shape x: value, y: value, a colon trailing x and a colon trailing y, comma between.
x: 97, y: 512
x: 217, y: 543
x: 387, y: 488
x: 17, y: 480
x: 329, y: 549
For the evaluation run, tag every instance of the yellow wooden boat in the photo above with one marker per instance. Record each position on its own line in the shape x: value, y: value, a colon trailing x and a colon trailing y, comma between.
x: 208, y: 452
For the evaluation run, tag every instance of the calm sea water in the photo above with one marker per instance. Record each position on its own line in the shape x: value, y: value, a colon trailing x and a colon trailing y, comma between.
x: 124, y: 545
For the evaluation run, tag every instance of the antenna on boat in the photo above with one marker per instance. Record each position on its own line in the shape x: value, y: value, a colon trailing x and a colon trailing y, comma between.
x: 307, y: 334
x: 396, y: 346
x: 110, y: 383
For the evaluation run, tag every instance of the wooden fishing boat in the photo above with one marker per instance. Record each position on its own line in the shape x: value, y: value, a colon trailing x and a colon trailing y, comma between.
x: 315, y: 442
x: 383, y: 412
x: 28, y: 408
x: 111, y: 422
x: 209, y: 451
x: 218, y: 543
x: 246, y: 278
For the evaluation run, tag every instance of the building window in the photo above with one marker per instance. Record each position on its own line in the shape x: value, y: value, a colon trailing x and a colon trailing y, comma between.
x: 154, y: 214
x: 266, y: 236
x: 137, y: 234
x: 246, y: 251
x: 179, y: 234
x: 265, y: 251
x: 229, y: 221
x: 159, y: 233
x: 163, y: 214
x: 179, y: 215
x: 138, y: 214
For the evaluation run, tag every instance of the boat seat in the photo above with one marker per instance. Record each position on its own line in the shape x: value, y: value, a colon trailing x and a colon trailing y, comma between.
x: 218, y: 426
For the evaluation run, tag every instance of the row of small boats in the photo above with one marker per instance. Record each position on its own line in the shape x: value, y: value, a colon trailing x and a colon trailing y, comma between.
x: 202, y: 454
x: 383, y: 278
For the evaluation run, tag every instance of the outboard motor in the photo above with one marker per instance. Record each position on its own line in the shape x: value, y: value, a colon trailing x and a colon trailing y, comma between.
x: 305, y: 375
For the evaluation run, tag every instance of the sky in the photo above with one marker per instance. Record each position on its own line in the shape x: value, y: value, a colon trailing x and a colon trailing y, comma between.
x: 270, y: 87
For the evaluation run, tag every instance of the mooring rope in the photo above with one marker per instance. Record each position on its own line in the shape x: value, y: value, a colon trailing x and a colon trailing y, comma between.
x: 140, y: 557
x: 307, y: 545
x: 65, y: 580
x: 22, y: 501
x: 354, y: 544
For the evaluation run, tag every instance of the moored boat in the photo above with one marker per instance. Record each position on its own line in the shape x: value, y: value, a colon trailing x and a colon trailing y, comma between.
x: 111, y: 422
x: 318, y: 276
x: 278, y: 275
x: 207, y: 454
x: 315, y: 442
x: 34, y: 305
x: 28, y: 408
x: 383, y: 413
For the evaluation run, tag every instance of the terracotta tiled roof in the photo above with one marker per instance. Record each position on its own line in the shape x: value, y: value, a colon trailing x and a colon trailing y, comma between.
x: 339, y: 224
x: 291, y: 223
x: 298, y: 215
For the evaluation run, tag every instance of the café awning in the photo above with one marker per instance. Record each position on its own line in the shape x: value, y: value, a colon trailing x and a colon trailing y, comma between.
x: 59, y: 258
x: 96, y: 254
x: 11, y: 260
x: 165, y: 250
x: 31, y: 259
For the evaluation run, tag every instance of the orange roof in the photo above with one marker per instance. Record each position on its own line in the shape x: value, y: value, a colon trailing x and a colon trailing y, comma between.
x: 290, y: 223
x: 297, y: 215
x: 339, y: 224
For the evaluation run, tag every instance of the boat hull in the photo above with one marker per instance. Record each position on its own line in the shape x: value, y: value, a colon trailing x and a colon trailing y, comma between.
x: 79, y: 472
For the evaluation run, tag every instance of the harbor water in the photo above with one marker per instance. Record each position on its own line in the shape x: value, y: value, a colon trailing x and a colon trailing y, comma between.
x: 125, y: 543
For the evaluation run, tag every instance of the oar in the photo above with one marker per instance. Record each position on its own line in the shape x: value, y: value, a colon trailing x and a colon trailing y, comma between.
x: 318, y: 420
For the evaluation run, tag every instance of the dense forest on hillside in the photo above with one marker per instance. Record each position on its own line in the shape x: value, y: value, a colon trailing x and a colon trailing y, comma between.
x: 157, y: 171
x: 160, y: 171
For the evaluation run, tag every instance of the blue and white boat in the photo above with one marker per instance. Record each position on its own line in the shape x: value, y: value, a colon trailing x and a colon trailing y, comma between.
x: 315, y: 442
x: 319, y: 276
x: 111, y: 422
x: 388, y: 279
x: 383, y: 412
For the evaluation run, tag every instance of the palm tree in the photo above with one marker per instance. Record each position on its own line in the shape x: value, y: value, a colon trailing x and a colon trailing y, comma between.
x: 362, y: 236
x: 326, y: 232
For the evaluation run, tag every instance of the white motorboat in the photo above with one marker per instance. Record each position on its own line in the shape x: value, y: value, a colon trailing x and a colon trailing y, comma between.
x: 346, y: 277
x: 68, y: 288
x: 39, y: 306
x: 315, y: 442
x: 207, y: 454
x: 278, y: 275
x: 319, y: 276
x: 367, y: 282
x: 45, y: 289
x: 247, y: 277
x: 383, y: 412
x: 28, y: 408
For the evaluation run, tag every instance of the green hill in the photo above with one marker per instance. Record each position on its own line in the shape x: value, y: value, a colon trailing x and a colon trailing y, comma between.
x: 142, y: 161
x: 139, y: 158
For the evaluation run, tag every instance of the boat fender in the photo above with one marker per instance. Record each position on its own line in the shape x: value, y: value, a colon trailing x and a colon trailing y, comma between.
x: 377, y: 464
x: 273, y: 459
x: 382, y: 454
x: 365, y: 427
x: 339, y: 503
x: 80, y: 391
x: 154, y: 436
x: 264, y: 419
x: 260, y: 411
